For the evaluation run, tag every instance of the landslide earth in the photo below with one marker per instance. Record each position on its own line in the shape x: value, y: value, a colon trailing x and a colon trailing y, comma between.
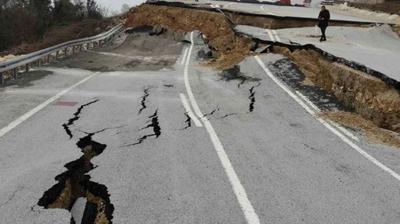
x: 229, y: 48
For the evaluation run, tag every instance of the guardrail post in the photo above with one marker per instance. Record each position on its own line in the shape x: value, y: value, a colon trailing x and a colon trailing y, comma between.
x: 66, y: 51
x: 1, y: 78
x: 15, y: 73
x: 27, y: 67
x: 48, y: 58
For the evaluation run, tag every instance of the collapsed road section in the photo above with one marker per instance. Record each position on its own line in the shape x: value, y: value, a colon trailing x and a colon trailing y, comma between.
x: 75, y: 184
x: 359, y: 89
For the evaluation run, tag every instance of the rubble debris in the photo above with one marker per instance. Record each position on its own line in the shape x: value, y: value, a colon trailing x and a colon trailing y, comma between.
x: 75, y: 183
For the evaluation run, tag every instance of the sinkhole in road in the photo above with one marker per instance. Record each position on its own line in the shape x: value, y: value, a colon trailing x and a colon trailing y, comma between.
x: 75, y: 183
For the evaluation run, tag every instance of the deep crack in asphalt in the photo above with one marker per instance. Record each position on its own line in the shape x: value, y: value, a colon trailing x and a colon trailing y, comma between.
x: 75, y: 118
x: 188, y: 121
x: 143, y: 102
x: 211, y: 113
x: 252, y: 97
x: 75, y: 183
x: 154, y: 123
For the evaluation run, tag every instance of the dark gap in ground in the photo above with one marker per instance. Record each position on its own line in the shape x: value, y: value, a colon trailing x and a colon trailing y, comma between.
x: 75, y: 183
x: 143, y: 102
x: 234, y: 73
x: 188, y: 121
x: 211, y: 113
x: 169, y: 85
x: 252, y: 99
x: 227, y: 115
x: 154, y: 124
x: 75, y: 118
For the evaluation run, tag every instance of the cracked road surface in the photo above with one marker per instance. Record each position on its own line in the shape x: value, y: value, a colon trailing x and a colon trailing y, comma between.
x: 277, y: 164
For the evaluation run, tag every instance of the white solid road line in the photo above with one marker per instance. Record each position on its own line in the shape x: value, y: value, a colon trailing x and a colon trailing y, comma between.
x: 276, y: 35
x: 184, y: 56
x: 189, y: 110
x: 326, y: 124
x: 240, y: 193
x: 271, y: 36
x: 342, y: 129
x: 29, y: 114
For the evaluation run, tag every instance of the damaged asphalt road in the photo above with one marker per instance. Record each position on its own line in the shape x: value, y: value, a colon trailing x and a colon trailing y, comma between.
x: 134, y: 154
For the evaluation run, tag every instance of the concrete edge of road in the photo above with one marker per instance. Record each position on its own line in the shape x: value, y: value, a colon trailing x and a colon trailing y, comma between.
x: 275, y: 40
x: 329, y: 126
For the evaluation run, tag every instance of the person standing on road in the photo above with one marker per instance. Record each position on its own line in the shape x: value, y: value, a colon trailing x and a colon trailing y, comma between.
x: 323, y: 20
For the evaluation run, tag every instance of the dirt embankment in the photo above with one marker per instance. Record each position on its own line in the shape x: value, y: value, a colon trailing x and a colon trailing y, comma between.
x: 368, y: 96
x: 389, y: 6
x: 229, y: 48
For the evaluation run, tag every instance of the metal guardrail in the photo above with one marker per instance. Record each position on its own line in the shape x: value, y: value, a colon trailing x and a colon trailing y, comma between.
x: 13, y: 66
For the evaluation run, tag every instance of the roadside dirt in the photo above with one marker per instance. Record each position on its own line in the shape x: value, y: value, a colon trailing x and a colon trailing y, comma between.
x: 373, y: 132
x: 229, y: 48
x: 368, y: 96
x: 389, y: 6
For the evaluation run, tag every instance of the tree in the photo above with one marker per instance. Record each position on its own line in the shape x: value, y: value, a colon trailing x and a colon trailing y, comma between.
x: 125, y: 8
x: 63, y: 11
x: 93, y: 10
x: 41, y: 9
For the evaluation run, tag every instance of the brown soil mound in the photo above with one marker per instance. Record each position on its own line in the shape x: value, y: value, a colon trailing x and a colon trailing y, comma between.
x: 374, y: 133
x: 389, y: 6
x: 229, y: 48
x: 368, y: 96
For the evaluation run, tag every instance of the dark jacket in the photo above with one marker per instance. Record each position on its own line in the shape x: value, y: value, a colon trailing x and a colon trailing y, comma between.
x: 323, y: 18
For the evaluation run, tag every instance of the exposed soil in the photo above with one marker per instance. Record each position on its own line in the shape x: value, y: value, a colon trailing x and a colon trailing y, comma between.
x: 368, y: 96
x: 373, y: 132
x: 391, y: 6
x: 229, y: 48
x: 75, y: 183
